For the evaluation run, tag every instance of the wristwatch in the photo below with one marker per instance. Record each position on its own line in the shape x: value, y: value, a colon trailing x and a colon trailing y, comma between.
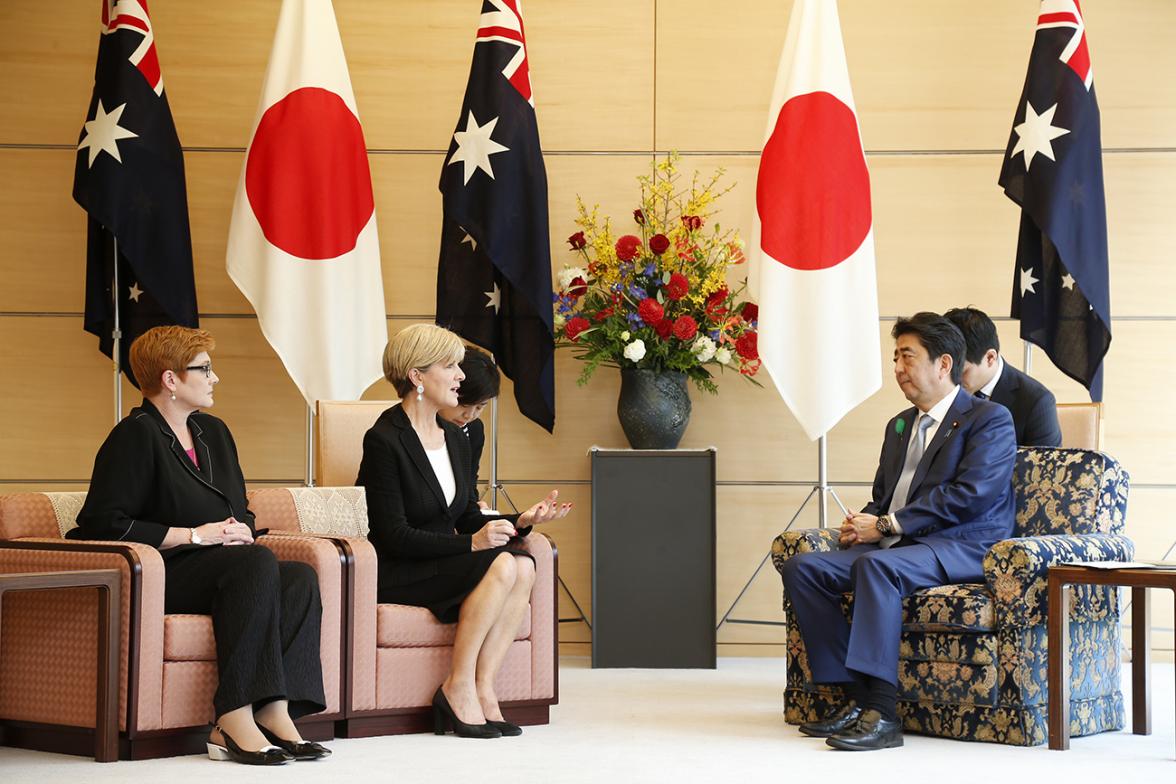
x: 884, y: 525
x: 193, y: 537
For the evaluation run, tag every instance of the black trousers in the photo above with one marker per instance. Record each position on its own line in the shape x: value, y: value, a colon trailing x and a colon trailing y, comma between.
x: 265, y: 615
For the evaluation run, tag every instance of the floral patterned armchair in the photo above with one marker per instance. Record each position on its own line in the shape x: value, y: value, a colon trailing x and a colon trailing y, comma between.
x: 972, y: 661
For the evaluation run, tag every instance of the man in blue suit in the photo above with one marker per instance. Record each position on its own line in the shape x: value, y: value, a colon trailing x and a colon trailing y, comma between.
x: 942, y: 496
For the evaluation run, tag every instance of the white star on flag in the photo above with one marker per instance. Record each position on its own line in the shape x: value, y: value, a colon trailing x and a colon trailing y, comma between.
x: 1036, y: 134
x: 1027, y: 281
x: 472, y: 242
x: 494, y: 298
x: 474, y: 147
x: 135, y: 292
x: 103, y: 133
x: 1068, y: 281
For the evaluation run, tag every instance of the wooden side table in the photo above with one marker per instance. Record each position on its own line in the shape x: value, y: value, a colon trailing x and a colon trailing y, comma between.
x: 1139, y: 580
x: 107, y: 581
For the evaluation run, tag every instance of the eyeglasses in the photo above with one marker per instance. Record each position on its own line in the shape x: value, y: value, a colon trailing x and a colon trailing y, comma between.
x: 206, y: 368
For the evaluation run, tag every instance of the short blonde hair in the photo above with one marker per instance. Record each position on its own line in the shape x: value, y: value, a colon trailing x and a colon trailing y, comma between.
x: 419, y: 346
x: 166, y: 348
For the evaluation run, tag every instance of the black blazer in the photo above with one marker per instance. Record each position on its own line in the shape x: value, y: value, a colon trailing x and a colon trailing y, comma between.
x: 409, y: 523
x: 143, y: 482
x: 1034, y: 409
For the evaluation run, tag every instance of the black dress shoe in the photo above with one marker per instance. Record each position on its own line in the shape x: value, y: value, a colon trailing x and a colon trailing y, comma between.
x: 444, y: 718
x: 270, y: 755
x: 507, y: 729
x: 298, y: 749
x: 870, y: 733
x: 841, y: 719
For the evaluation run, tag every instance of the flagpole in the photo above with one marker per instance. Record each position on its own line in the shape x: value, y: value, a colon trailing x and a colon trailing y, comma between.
x: 494, y: 453
x: 1028, y: 361
x: 309, y: 445
x: 116, y: 336
x: 822, y: 491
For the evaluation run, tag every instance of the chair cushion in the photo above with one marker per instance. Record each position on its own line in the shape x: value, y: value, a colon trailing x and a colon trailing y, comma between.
x: 402, y: 626
x: 188, y: 638
x: 966, y: 607
x: 1068, y: 491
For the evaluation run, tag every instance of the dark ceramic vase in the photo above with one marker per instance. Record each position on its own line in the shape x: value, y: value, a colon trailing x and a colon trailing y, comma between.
x: 654, y: 408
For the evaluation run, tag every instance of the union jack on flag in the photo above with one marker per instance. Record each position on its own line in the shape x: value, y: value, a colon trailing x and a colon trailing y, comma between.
x: 494, y: 270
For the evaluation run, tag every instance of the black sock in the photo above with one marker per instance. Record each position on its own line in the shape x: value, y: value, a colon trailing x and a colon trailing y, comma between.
x: 855, y: 690
x: 882, y: 696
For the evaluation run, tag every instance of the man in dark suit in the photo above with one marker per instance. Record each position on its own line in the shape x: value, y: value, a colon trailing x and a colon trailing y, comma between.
x: 942, y: 496
x: 986, y: 374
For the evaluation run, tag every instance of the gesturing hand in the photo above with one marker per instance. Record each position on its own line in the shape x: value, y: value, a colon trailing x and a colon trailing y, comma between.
x: 545, y: 511
x: 493, y: 534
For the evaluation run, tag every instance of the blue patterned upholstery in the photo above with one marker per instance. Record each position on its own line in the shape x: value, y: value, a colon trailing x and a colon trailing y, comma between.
x: 972, y: 659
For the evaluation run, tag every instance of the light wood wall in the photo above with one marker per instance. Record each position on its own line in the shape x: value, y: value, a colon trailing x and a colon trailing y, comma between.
x: 616, y: 83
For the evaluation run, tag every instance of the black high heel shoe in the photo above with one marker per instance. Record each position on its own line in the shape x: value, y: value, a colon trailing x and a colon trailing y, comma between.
x: 270, y: 755
x: 298, y: 749
x: 507, y: 729
x: 444, y: 718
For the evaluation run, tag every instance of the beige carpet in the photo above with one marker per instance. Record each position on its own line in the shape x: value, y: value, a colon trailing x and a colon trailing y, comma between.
x: 622, y: 726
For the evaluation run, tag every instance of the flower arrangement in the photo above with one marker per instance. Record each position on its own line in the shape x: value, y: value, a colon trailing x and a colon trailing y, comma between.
x: 658, y: 299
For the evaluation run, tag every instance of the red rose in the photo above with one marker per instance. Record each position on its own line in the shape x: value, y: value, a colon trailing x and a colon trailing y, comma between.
x: 692, y: 222
x: 663, y: 328
x: 678, y: 286
x: 747, y: 346
x: 577, y: 288
x: 714, y: 303
x: 627, y: 247
x: 575, y: 326
x: 639, y: 216
x: 601, y: 315
x: 685, y: 328
x: 658, y: 244
x: 577, y: 241
x: 650, y: 311
x: 750, y: 311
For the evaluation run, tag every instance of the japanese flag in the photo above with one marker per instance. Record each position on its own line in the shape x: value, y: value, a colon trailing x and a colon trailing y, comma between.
x: 812, y: 268
x: 302, y: 243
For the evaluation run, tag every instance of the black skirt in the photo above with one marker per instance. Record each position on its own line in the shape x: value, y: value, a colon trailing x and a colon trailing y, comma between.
x: 457, y: 576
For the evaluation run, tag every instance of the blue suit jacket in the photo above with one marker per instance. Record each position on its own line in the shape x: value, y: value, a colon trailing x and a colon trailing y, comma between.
x: 961, y: 500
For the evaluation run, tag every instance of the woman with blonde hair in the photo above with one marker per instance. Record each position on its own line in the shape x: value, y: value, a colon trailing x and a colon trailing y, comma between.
x: 168, y: 476
x: 435, y: 547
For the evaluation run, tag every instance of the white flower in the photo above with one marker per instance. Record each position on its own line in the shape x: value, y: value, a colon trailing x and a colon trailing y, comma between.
x: 703, y: 348
x: 723, y: 356
x: 635, y: 350
x: 559, y: 321
x: 568, y: 274
x: 625, y: 335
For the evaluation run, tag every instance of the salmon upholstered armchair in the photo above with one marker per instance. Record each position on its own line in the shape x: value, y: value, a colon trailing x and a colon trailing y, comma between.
x: 167, y: 663
x: 396, y: 655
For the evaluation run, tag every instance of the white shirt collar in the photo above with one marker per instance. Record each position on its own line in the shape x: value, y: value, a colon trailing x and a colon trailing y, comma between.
x: 991, y: 385
x: 939, y: 410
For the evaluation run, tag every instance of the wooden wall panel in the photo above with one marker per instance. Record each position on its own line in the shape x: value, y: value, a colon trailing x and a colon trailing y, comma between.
x: 925, y: 76
x: 42, y: 233
x: 57, y: 399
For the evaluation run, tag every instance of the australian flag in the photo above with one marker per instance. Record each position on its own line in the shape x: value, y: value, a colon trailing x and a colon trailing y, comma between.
x: 129, y: 177
x: 494, y: 272
x: 1053, y: 170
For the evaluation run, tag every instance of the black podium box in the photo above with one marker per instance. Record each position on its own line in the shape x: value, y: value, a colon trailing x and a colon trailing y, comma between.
x: 653, y: 558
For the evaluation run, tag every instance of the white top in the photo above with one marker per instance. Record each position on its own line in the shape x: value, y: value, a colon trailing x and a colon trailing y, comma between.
x: 443, y: 469
x: 991, y: 385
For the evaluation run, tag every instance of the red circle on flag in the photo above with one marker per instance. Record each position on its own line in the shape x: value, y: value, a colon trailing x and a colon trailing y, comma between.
x: 307, y: 175
x: 813, y: 192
